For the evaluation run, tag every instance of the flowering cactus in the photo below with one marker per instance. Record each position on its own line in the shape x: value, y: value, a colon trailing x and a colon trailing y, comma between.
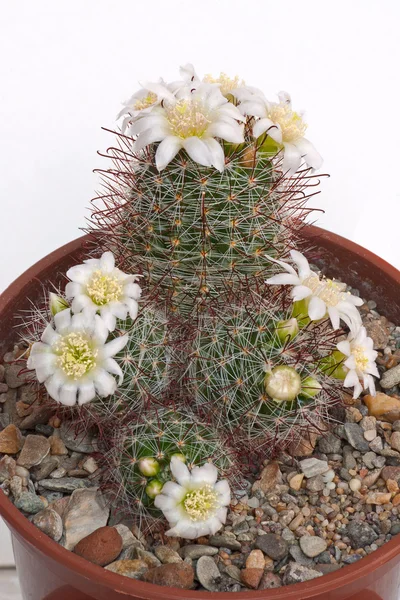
x: 139, y: 462
x: 203, y: 207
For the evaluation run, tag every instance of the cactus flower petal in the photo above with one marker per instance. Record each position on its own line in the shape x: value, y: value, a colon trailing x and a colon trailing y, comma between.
x: 360, y: 363
x: 73, y: 361
x: 323, y: 296
x: 98, y: 286
x: 197, y: 504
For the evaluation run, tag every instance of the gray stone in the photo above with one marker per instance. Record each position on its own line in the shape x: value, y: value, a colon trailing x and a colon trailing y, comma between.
x: 355, y: 437
x: 368, y: 459
x: 4, y: 421
x: 315, y: 484
x: 9, y: 406
x: 360, y: 534
x: 325, y: 569
x: 241, y: 526
x: 208, y: 573
x: 298, y: 556
x: 39, y: 416
x: 311, y: 467
x: 390, y: 378
x: 128, y: 539
x: 29, y: 503
x: 86, y: 512
x: 224, y: 541
x: 330, y: 444
x: 35, y: 450
x: 195, y: 551
x: 14, y: 377
x: 50, y: 523
x: 295, y: 573
x: 85, y: 442
x: 349, y: 462
x: 167, y: 555
x: 65, y: 484
x: 273, y: 546
x: 312, y: 545
x: 47, y: 466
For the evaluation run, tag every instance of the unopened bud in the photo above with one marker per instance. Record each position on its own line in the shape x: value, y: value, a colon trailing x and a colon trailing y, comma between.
x: 149, y: 466
x: 287, y: 330
x: 310, y: 387
x: 154, y: 488
x: 283, y: 383
x: 57, y: 303
x: 179, y: 456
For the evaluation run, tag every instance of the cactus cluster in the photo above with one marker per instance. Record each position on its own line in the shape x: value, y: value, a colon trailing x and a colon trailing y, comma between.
x: 138, y: 462
x: 207, y: 192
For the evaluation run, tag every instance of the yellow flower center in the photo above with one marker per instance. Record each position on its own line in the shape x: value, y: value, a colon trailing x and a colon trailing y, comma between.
x: 331, y: 292
x: 76, y: 356
x: 187, y: 118
x: 226, y: 84
x: 292, y: 125
x: 201, y: 504
x: 145, y: 102
x: 103, y: 288
x: 360, y: 358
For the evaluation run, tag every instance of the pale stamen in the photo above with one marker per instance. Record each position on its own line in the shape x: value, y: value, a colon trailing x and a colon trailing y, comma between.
x: 145, y: 102
x: 360, y: 358
x: 226, y: 83
x: 187, y: 119
x: 331, y: 292
x: 292, y: 125
x: 201, y: 504
x: 103, y: 288
x: 76, y: 357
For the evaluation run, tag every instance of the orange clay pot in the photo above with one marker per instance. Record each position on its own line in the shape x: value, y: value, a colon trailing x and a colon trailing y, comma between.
x: 49, y: 572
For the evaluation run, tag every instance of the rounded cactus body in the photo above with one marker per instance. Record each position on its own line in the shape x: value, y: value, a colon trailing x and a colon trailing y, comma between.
x: 193, y: 231
x: 267, y: 389
x: 139, y: 462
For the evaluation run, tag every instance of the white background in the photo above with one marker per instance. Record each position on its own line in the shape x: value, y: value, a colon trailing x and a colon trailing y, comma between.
x: 65, y: 66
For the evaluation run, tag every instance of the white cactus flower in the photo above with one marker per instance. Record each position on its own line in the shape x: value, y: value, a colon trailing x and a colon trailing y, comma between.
x: 191, y: 122
x: 196, y: 504
x: 283, y: 125
x: 360, y: 362
x: 74, y: 361
x: 142, y: 101
x: 98, y: 286
x: 324, y: 296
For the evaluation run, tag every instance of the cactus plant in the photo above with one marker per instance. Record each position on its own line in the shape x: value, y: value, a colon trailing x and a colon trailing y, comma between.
x: 140, y: 455
x: 205, y: 200
x: 260, y: 373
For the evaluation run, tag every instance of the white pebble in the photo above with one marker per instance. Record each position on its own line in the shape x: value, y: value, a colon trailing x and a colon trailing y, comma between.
x: 355, y: 485
x: 370, y: 434
x: 329, y: 475
x: 331, y: 485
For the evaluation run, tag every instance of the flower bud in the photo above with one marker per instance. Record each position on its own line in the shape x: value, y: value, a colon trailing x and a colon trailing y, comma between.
x: 179, y: 456
x: 333, y: 365
x: 154, y: 488
x: 149, y: 466
x: 310, y: 387
x: 57, y: 303
x: 300, y: 312
x: 287, y: 330
x: 283, y: 383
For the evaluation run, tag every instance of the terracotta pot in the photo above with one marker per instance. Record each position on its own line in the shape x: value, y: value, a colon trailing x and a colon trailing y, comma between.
x: 49, y: 572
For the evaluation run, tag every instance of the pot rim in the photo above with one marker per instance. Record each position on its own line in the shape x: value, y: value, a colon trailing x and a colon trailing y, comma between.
x: 23, y: 527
